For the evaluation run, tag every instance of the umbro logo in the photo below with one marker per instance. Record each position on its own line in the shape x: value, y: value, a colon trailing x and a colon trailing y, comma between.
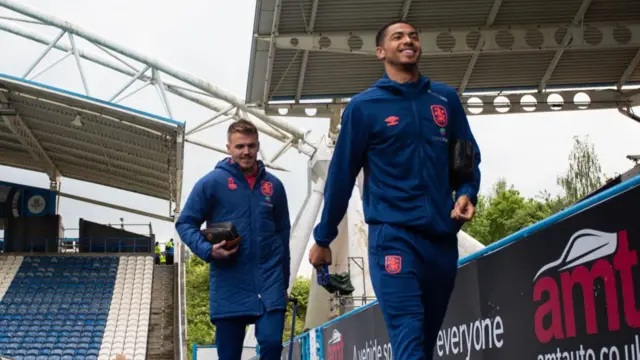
x: 392, y: 120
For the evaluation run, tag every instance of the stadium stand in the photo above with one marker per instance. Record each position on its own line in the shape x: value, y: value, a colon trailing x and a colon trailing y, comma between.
x: 75, y: 307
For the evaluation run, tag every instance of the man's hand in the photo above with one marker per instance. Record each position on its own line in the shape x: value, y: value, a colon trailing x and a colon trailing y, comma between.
x: 319, y: 256
x: 463, y: 210
x: 219, y: 252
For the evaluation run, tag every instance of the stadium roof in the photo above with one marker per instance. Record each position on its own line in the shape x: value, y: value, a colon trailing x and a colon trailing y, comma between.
x: 319, y: 49
x: 60, y: 133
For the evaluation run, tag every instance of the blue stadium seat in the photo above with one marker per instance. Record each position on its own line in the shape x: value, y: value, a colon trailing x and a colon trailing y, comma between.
x: 56, y: 307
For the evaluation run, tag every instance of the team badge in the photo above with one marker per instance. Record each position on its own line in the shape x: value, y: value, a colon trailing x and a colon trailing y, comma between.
x: 439, y: 114
x: 231, y: 184
x: 267, y: 188
x: 393, y: 264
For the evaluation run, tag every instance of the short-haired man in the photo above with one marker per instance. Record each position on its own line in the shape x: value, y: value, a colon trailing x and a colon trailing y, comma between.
x: 247, y: 284
x: 399, y: 131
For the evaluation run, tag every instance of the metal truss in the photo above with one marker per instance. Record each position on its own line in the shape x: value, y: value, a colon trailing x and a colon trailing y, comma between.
x: 467, y: 41
x: 492, y: 104
x: 570, y: 37
x: 479, y: 46
x: 25, y: 136
x: 144, y: 71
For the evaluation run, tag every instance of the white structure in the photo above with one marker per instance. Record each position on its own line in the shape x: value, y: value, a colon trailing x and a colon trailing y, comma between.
x: 123, y: 128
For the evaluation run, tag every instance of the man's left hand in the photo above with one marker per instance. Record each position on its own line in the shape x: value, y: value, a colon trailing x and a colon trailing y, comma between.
x: 463, y: 210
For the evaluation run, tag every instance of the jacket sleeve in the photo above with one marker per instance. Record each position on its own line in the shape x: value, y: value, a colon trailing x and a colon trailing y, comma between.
x: 283, y: 231
x: 462, y: 130
x: 192, y: 217
x: 346, y: 163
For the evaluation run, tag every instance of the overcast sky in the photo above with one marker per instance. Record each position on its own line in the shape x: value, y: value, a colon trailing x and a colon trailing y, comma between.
x: 212, y: 40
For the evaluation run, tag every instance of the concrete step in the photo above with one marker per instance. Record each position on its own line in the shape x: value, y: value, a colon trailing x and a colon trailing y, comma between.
x: 160, y: 343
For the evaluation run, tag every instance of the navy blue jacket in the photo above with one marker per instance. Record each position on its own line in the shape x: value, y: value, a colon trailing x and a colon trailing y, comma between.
x: 400, y: 135
x: 259, y: 274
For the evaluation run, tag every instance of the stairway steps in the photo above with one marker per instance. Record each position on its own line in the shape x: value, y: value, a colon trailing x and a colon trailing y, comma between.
x: 160, y: 343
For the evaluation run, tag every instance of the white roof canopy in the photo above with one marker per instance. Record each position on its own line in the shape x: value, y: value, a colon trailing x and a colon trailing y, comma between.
x: 70, y: 135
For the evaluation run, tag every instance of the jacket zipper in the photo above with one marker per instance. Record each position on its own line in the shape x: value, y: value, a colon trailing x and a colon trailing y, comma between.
x: 257, y: 247
x: 421, y: 152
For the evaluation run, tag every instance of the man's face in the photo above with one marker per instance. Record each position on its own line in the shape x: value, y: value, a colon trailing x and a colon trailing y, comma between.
x: 244, y: 150
x: 400, y: 46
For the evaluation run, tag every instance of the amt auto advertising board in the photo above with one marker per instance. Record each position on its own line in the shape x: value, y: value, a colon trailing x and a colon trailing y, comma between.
x: 565, y: 292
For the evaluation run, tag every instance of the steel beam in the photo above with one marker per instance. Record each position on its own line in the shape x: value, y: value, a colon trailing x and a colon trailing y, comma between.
x: 30, y: 142
x: 405, y: 9
x: 224, y: 151
x: 568, y: 37
x: 476, y: 54
x: 498, y: 40
x: 200, y: 98
x: 272, y: 51
x: 490, y: 104
x: 629, y: 70
x: 305, y: 56
x: 116, y: 207
x: 207, y: 87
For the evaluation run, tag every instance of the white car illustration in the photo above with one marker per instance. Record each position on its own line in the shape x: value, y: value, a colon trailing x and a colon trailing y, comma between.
x: 584, y: 246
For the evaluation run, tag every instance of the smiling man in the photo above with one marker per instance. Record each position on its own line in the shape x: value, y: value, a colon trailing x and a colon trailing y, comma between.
x: 247, y: 283
x: 399, y: 131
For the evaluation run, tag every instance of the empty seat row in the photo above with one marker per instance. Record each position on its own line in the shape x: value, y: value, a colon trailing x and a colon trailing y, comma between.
x: 68, y: 308
x: 56, y: 307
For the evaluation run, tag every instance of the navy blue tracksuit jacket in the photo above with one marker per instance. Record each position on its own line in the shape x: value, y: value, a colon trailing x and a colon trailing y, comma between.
x: 258, y: 277
x: 400, y: 134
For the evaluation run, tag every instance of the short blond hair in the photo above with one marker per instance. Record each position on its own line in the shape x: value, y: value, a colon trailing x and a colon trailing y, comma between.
x: 242, y: 126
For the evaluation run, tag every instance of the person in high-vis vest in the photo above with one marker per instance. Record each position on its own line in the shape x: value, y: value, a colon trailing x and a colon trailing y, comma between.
x: 168, y: 250
x: 157, y: 252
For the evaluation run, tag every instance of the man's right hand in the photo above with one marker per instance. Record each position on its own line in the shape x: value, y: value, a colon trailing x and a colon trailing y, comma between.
x: 219, y: 252
x: 319, y: 256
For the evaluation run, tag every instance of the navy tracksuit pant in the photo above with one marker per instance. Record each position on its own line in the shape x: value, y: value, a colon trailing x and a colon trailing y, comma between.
x: 230, y: 334
x: 413, y: 277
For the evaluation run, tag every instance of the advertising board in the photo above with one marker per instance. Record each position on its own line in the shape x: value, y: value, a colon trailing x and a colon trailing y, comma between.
x: 21, y: 200
x: 566, y: 291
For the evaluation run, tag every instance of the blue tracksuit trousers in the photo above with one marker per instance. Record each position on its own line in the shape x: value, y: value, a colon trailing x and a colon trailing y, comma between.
x: 230, y: 333
x: 413, y: 277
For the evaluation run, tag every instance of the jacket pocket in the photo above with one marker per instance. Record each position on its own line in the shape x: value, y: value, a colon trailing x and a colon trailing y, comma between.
x: 266, y: 222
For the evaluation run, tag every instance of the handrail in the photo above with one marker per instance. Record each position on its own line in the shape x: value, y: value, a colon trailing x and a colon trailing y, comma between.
x: 176, y: 312
x: 89, y: 244
x: 519, y: 235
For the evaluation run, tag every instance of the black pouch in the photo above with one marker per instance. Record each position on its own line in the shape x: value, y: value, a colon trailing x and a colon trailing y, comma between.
x: 220, y: 232
x: 461, y: 162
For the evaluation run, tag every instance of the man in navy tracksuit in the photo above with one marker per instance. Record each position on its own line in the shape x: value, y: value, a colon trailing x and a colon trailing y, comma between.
x: 399, y: 132
x: 247, y: 285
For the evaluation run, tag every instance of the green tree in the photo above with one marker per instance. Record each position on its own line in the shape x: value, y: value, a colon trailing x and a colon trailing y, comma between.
x: 300, y: 291
x: 584, y: 174
x: 199, y: 328
x: 503, y: 212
